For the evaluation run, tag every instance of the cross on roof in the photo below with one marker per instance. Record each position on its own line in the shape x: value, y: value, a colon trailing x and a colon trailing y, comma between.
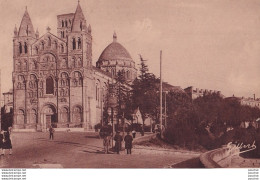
x: 48, y: 29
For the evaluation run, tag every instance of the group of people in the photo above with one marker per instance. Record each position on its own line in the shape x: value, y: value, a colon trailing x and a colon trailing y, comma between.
x: 5, y: 141
x: 128, y: 139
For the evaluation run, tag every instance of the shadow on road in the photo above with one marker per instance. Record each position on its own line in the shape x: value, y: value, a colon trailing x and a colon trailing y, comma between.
x: 96, y: 137
x: 190, y: 163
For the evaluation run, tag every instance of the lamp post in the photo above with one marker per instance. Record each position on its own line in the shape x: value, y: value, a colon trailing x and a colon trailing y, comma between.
x: 165, y: 109
x: 110, y: 112
x: 161, y: 92
x: 123, y: 117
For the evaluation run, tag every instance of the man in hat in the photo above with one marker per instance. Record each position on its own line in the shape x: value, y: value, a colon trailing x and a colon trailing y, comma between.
x: 51, y: 130
x: 118, y: 140
x: 128, y: 142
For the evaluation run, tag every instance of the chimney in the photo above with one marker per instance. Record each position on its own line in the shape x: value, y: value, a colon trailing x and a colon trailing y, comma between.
x: 254, y: 96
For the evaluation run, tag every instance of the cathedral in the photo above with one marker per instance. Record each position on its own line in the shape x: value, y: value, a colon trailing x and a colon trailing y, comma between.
x: 54, y: 81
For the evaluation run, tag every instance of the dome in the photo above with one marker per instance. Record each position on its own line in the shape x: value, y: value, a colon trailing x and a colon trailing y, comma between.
x: 115, y: 51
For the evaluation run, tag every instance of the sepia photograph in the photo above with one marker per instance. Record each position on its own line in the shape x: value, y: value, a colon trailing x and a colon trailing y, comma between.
x: 130, y: 84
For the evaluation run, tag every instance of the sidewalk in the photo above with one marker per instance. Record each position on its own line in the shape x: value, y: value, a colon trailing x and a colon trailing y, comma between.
x: 80, y: 150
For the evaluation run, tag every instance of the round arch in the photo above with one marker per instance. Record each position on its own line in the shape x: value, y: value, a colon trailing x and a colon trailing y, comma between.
x: 77, y: 114
x: 49, y: 115
x: 20, y: 116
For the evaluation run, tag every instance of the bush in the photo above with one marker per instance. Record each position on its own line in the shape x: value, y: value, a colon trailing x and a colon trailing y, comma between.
x: 98, y: 126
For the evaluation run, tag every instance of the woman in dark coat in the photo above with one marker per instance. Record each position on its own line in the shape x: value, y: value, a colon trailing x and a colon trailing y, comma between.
x: 7, y: 142
x: 128, y: 143
x: 1, y: 142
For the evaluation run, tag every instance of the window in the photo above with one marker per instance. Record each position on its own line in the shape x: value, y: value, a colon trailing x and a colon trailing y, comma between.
x: 25, y: 48
x: 73, y: 43
x: 62, y: 34
x: 80, y: 25
x: 62, y: 48
x: 96, y: 92
x: 27, y: 30
x: 56, y: 44
x: 66, y: 23
x: 49, y: 86
x: 79, y: 43
x: 62, y: 23
x: 20, y: 48
x: 49, y: 41
x: 36, y: 50
x: 42, y: 45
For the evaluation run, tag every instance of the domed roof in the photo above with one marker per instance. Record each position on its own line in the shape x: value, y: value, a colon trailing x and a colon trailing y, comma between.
x: 115, y: 51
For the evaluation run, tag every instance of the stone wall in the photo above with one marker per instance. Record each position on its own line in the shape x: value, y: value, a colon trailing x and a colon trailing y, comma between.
x: 218, y: 158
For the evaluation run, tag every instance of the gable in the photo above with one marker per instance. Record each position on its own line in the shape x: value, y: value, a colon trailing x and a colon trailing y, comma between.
x: 48, y: 42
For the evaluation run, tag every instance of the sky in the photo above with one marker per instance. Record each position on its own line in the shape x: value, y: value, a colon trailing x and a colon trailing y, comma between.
x: 208, y: 44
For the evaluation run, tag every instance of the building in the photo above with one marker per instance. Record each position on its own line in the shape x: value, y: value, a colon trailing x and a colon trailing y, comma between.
x: 54, y: 81
x: 249, y: 101
x: 196, y: 92
x: 8, y: 101
x: 253, y: 102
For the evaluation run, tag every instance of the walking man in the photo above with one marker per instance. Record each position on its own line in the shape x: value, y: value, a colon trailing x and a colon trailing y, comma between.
x: 106, y: 143
x: 51, y: 130
x: 128, y: 142
x: 118, y: 140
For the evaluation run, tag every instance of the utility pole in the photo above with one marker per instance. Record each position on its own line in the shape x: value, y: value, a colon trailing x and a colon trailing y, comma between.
x: 161, y: 91
x: 165, y: 115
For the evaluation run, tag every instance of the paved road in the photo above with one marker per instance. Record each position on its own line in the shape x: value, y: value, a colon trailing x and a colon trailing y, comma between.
x: 79, y: 150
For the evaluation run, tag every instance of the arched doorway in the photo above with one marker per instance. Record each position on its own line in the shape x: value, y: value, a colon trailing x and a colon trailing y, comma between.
x: 49, y: 116
x: 20, y: 117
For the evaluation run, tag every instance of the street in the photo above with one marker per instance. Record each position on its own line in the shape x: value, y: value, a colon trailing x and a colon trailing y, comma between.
x: 80, y: 150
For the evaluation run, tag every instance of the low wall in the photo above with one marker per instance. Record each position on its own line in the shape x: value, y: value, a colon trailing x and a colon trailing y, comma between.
x: 218, y: 158
x: 144, y: 138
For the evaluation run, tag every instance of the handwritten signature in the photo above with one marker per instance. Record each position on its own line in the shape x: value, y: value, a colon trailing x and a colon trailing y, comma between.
x: 240, y: 146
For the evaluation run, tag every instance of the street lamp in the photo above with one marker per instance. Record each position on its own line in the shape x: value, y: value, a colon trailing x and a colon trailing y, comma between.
x: 123, y: 117
x: 110, y: 112
x: 165, y: 109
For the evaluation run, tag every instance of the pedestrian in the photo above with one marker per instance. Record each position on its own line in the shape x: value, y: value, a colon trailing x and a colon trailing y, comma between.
x: 51, y: 130
x: 7, y: 144
x: 128, y: 143
x: 118, y: 140
x: 1, y: 142
x: 134, y: 133
x: 106, y: 143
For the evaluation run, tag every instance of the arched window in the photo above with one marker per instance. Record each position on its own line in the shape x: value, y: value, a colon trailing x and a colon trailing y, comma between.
x: 79, y: 62
x: 62, y: 23
x: 36, y: 50
x: 61, y: 48
x: 80, y: 25
x: 49, y: 86
x: 42, y: 45
x: 27, y: 30
x: 79, y: 43
x: 25, y: 48
x: 49, y: 41
x: 73, y: 43
x: 56, y: 45
x: 96, y: 92
x: 20, y: 48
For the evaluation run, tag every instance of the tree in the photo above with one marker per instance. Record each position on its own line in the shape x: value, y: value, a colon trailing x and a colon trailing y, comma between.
x: 145, y: 92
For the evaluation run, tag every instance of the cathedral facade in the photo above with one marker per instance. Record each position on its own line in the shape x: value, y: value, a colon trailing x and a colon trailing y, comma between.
x: 54, y: 81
